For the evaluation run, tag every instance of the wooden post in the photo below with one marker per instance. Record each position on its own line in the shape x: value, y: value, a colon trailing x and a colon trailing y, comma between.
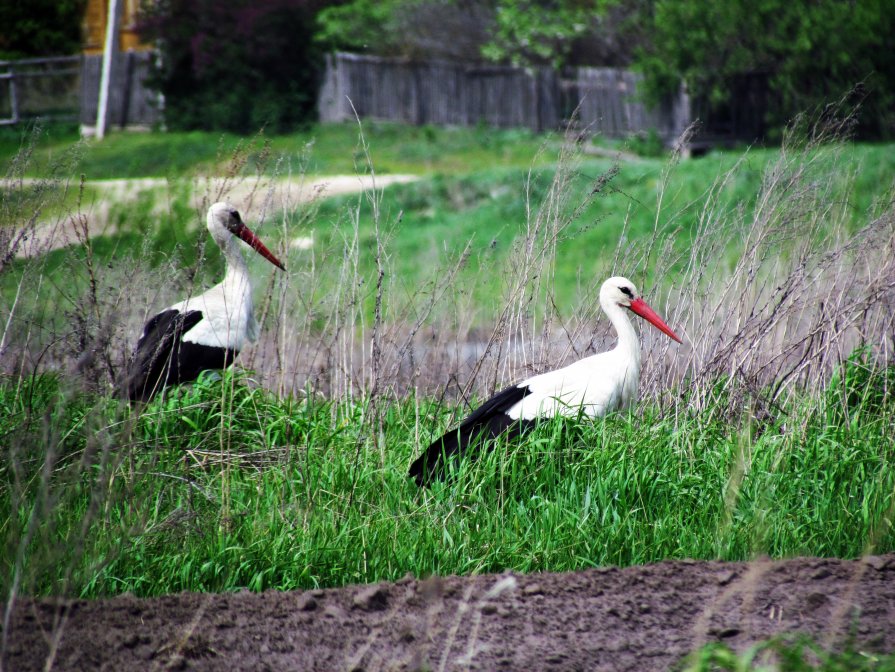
x: 127, y: 88
x: 13, y: 95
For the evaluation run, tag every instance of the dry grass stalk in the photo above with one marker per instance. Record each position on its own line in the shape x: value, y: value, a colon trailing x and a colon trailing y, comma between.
x: 770, y: 298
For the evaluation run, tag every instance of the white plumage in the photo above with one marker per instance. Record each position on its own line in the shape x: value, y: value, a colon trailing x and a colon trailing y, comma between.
x: 229, y: 320
x: 592, y: 386
x: 205, y: 331
x: 598, y: 384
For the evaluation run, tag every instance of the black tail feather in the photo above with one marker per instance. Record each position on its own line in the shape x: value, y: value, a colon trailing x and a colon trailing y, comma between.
x: 163, y: 358
x: 488, y: 421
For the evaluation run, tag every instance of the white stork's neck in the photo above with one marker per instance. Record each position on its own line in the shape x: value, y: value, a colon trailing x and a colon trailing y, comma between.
x: 628, y: 341
x: 237, y: 293
x: 237, y: 274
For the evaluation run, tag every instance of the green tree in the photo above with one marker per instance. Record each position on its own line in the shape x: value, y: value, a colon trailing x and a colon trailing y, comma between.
x: 810, y: 53
x: 235, y: 66
x: 33, y: 28
x: 361, y: 26
x: 792, y: 55
x: 451, y: 29
x: 539, y: 32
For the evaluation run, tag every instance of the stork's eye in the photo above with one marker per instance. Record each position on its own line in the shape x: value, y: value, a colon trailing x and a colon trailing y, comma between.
x: 627, y: 291
x: 234, y: 223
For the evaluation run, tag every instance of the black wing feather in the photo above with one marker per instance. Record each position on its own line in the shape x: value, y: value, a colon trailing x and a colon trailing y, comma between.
x: 146, y: 372
x: 486, y: 422
x: 162, y: 358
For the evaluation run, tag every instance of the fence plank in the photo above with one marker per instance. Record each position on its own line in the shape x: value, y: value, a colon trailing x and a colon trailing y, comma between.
x: 449, y: 93
x: 414, y: 92
x: 131, y: 102
x: 39, y: 87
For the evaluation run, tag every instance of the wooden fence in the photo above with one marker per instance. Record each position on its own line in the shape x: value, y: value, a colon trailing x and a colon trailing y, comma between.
x: 607, y: 103
x: 437, y: 92
x: 131, y: 102
x: 601, y: 100
x: 67, y: 88
x: 597, y: 100
x: 46, y: 87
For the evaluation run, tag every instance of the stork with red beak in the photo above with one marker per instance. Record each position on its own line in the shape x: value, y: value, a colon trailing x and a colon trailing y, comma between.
x: 202, y: 332
x: 592, y: 386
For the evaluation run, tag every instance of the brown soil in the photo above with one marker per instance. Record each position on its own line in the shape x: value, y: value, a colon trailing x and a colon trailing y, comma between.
x: 638, y: 618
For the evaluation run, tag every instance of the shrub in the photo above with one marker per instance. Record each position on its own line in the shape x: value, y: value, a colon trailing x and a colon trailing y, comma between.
x: 236, y: 66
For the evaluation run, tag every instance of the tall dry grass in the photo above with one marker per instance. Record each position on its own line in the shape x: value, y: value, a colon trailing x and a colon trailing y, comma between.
x: 769, y: 298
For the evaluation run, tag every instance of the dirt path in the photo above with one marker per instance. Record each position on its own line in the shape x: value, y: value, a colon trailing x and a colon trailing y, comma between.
x: 244, y: 193
x: 638, y: 619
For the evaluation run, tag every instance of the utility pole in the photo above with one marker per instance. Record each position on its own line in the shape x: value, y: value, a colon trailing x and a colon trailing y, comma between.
x: 110, y: 52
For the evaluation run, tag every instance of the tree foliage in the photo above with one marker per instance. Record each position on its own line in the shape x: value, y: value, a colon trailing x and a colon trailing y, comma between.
x: 810, y: 53
x: 40, y: 27
x: 529, y: 32
x: 794, y: 55
x: 237, y: 66
x: 450, y: 29
x: 790, y: 56
x: 362, y: 26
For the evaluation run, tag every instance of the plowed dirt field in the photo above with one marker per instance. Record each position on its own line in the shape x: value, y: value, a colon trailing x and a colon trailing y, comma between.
x: 636, y: 618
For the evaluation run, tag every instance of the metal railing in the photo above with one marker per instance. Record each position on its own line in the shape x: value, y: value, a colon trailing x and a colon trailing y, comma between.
x: 45, y: 87
x: 67, y: 87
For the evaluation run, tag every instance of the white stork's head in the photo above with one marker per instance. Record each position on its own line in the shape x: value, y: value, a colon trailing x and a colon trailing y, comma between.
x: 620, y: 291
x: 224, y: 222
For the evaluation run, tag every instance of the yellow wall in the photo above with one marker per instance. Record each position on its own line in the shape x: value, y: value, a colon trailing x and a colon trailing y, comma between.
x: 95, y: 26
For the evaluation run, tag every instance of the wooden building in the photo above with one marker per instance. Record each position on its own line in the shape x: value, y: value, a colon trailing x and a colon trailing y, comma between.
x: 130, y: 102
x: 95, y: 27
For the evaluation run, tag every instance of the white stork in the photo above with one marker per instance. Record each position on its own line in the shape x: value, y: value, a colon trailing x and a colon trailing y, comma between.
x: 205, y: 331
x: 592, y: 386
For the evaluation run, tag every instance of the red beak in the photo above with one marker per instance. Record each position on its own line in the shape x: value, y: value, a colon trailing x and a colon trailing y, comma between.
x: 640, y: 307
x: 245, y: 233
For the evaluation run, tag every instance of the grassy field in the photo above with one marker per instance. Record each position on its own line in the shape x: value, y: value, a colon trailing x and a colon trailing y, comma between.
x: 483, y: 194
x: 324, y: 150
x: 224, y: 487
x: 769, y: 432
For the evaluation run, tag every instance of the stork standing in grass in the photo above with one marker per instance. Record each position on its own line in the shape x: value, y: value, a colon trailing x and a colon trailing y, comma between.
x: 592, y: 386
x: 203, y: 332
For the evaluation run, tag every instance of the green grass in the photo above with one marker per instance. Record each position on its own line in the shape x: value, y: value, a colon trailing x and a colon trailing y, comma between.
x: 787, y: 654
x: 217, y: 488
x: 322, y: 150
x: 432, y: 221
x: 428, y: 224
